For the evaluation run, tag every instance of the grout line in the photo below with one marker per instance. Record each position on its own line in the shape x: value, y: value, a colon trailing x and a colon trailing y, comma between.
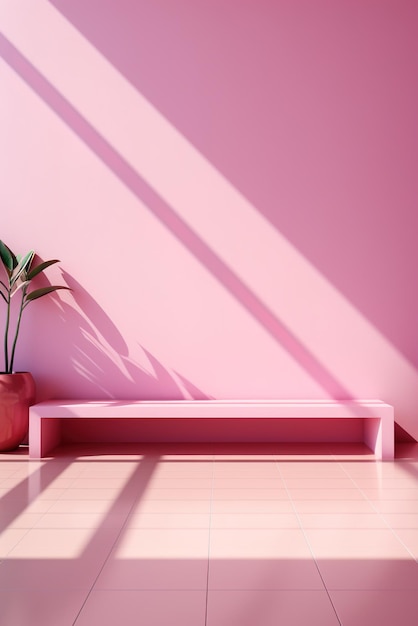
x: 33, y: 498
x: 209, y: 538
x: 148, y: 460
x: 308, y: 544
x: 385, y: 522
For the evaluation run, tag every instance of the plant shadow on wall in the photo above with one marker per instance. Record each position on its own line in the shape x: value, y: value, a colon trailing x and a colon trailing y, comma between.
x: 98, y: 364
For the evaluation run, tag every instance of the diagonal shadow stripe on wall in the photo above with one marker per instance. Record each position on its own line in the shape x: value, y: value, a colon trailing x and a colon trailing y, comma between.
x: 172, y: 221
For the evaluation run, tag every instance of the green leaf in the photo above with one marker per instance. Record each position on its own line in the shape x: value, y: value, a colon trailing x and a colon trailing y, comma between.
x: 8, y: 258
x: 21, y: 267
x: 40, y: 268
x: 38, y: 293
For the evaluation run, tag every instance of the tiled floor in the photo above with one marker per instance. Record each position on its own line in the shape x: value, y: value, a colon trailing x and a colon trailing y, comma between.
x: 209, y: 535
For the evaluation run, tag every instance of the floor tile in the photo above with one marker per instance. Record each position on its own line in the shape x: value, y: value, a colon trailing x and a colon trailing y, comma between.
x: 361, y: 543
x: 9, y: 539
x: 119, y: 471
x: 264, y: 573
x: 176, y: 493
x: 228, y: 482
x: 319, y: 483
x: 80, y: 520
x: 172, y: 506
x: 53, y: 543
x: 341, y: 520
x: 310, y: 470
x: 270, y: 608
x: 12, y: 510
x: 409, y: 538
x: 325, y: 494
x: 333, y: 506
x: 384, y: 493
x: 40, y: 607
x: 55, y: 574
x: 6, y: 472
x: 158, y: 559
x: 252, y: 506
x: 258, y: 543
x: 56, y: 559
x: 175, y: 469
x: 242, y: 493
x: 95, y: 494
x: 18, y: 481
x: 395, y: 506
x: 162, y: 543
x: 108, y: 482
x: 168, y: 520
x: 181, y: 482
x: 254, y: 520
x: 144, y: 608
x: 171, y: 573
x: 224, y: 469
x: 261, y: 559
x: 49, y: 494
x: 104, y: 507
x: 18, y: 520
x: 401, y: 520
x: 373, y: 469
x: 406, y: 482
x: 383, y: 607
x: 369, y: 573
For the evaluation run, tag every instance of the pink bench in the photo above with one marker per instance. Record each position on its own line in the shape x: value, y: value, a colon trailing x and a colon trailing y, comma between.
x: 46, y: 418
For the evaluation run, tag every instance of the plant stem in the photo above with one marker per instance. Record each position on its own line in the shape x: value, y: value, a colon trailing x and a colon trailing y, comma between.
x: 6, y: 337
x: 12, y: 358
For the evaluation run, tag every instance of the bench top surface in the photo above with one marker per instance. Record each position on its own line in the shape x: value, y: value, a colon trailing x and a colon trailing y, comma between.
x: 243, y: 402
x: 210, y: 408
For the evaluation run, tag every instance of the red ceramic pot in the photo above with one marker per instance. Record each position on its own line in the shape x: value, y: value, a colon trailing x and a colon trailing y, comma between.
x: 17, y: 393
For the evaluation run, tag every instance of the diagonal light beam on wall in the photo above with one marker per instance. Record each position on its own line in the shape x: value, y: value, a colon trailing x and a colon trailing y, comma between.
x: 171, y: 220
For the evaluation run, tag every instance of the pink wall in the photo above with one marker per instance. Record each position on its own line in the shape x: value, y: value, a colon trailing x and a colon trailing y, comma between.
x: 230, y: 186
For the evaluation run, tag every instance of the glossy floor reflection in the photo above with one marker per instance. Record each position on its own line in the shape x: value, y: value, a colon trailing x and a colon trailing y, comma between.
x: 209, y: 535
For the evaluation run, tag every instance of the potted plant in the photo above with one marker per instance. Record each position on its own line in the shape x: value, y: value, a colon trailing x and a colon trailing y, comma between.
x: 17, y: 389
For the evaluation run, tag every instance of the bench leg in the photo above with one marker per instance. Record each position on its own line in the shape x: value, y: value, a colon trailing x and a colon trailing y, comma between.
x: 379, y: 435
x: 44, y: 435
